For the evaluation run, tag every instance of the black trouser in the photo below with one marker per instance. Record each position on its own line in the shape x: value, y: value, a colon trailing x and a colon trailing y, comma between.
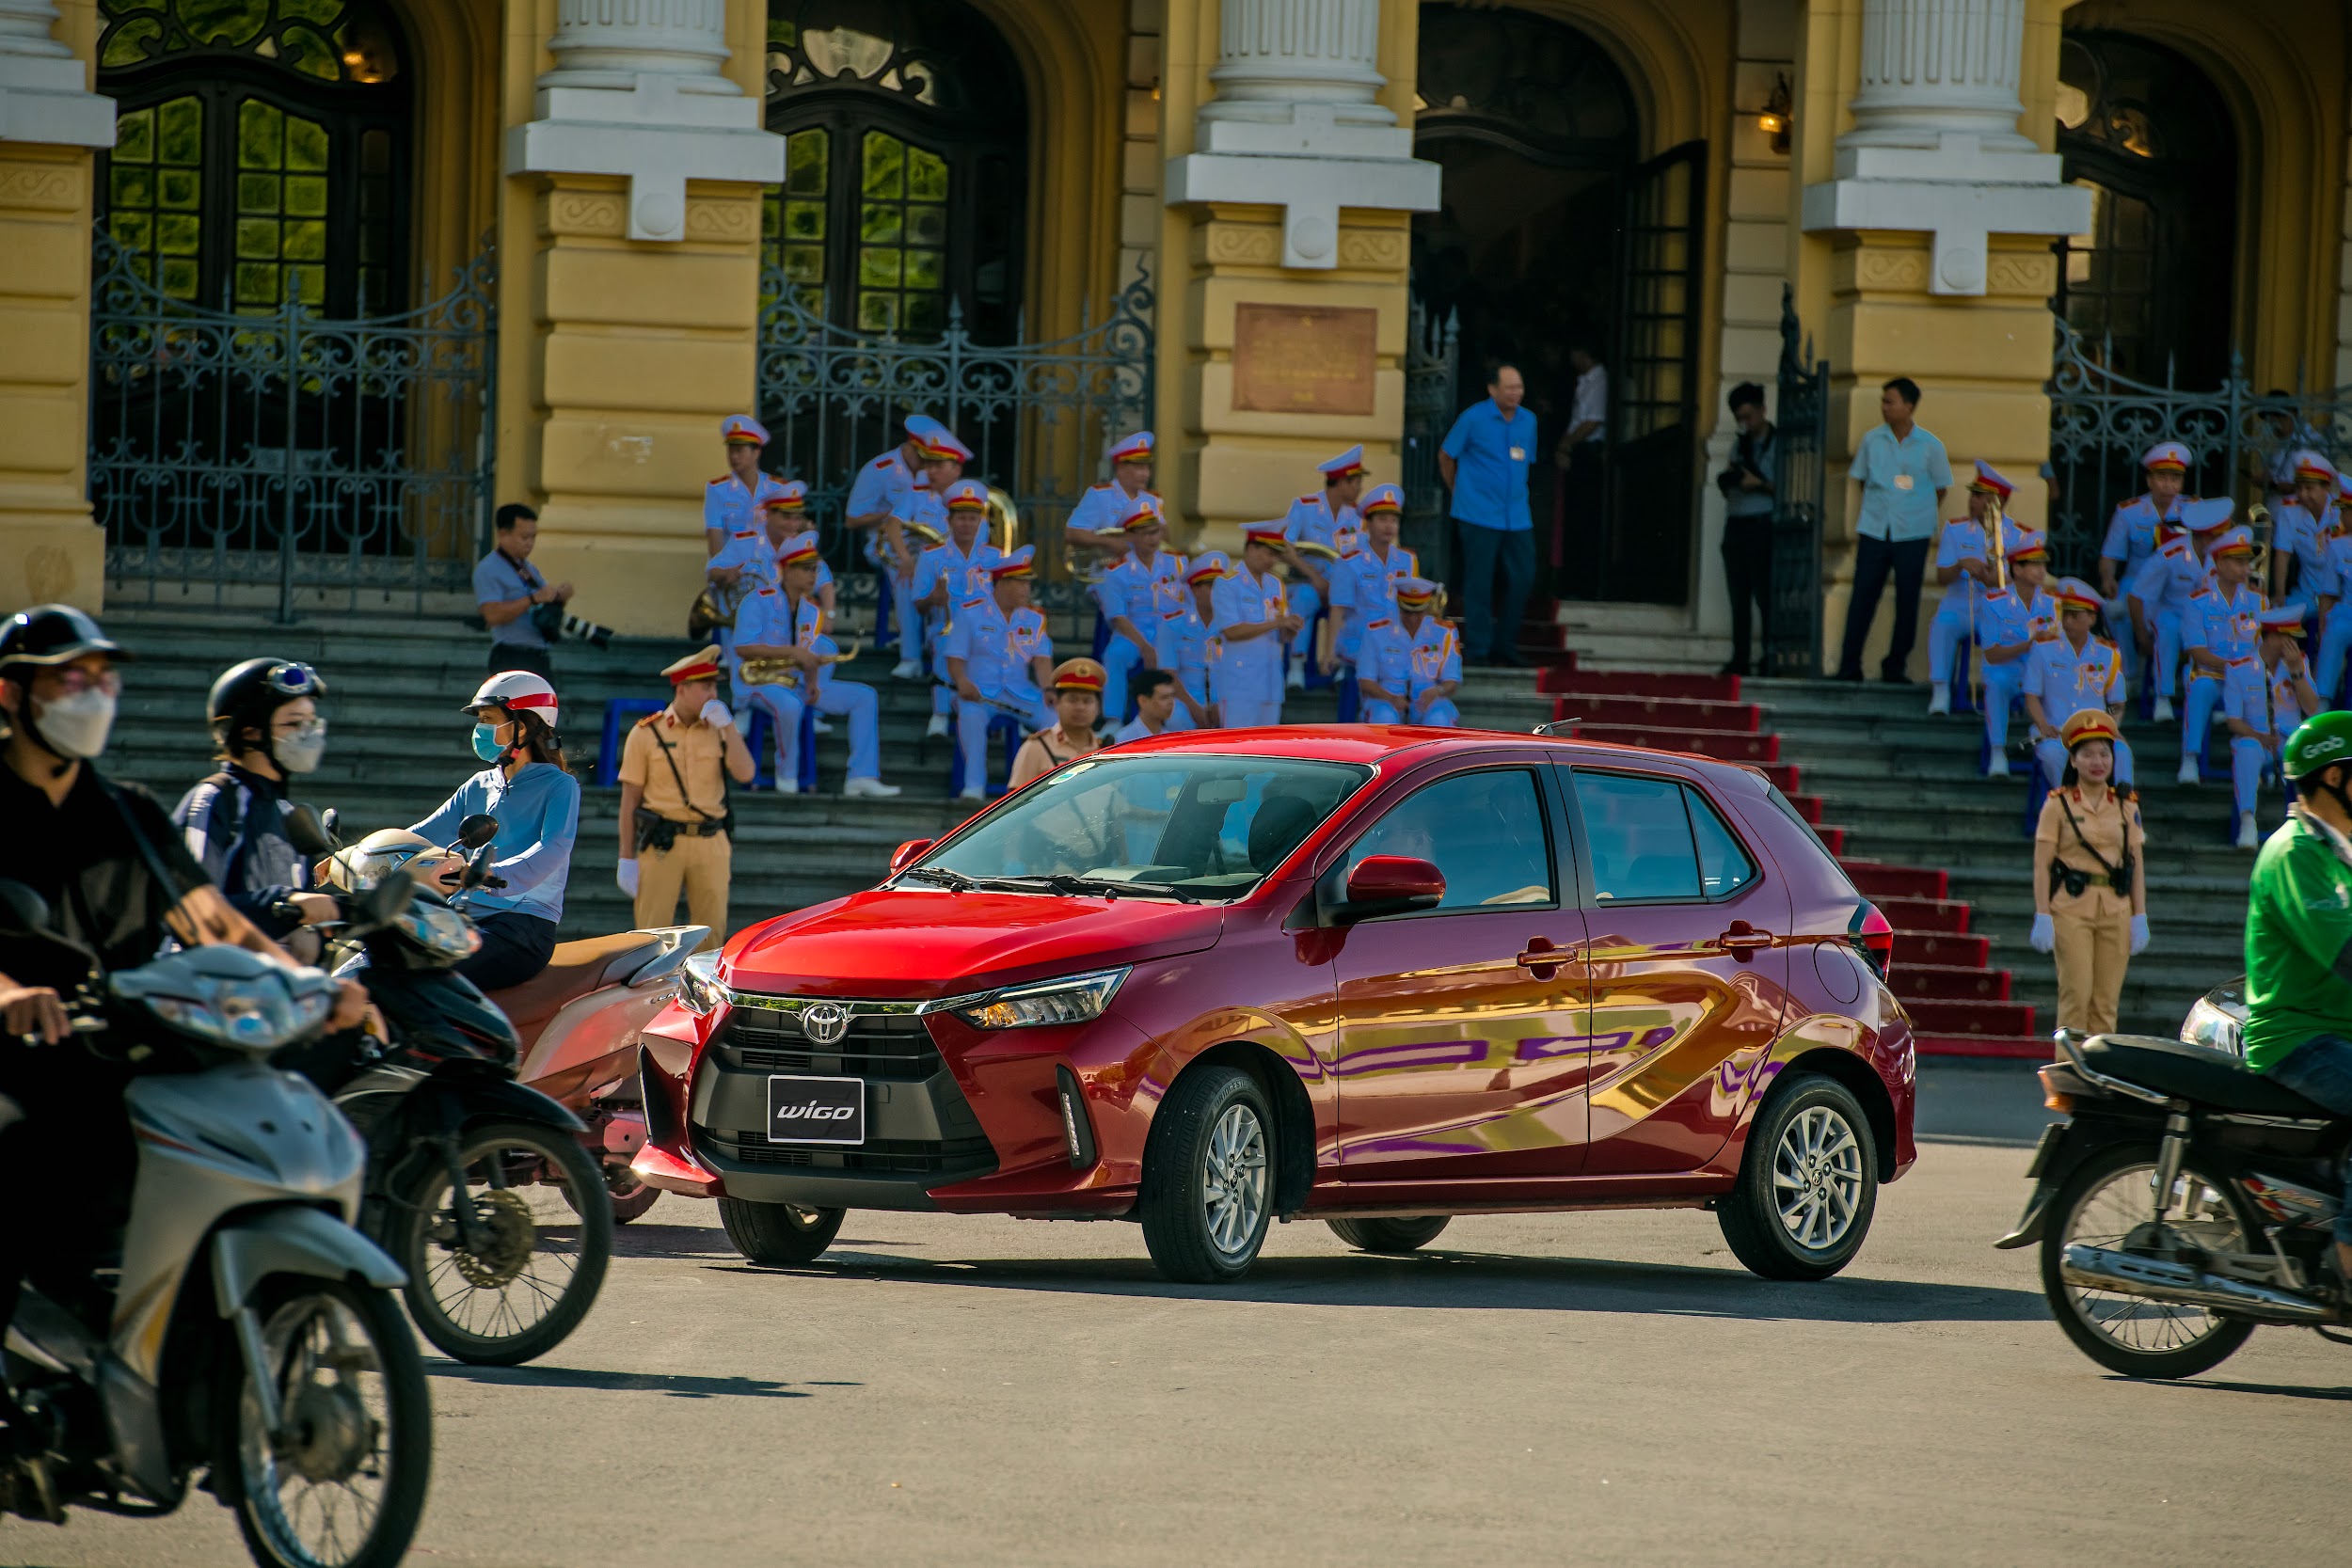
x: 515, y: 948
x: 1748, y: 570
x: 513, y: 655
x: 1874, y: 560
x: 1489, y: 630
x: 61, y: 1113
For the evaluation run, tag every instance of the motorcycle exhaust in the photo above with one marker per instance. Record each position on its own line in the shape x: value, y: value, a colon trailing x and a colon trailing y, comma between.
x: 2093, y: 1268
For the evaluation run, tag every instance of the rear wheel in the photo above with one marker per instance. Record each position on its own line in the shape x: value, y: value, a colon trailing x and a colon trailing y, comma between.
x: 1396, y: 1235
x: 2110, y: 1202
x: 780, y: 1235
x: 1208, y: 1176
x: 1808, y: 1183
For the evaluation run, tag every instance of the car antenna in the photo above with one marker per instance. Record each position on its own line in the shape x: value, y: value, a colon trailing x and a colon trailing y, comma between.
x: 1558, y: 728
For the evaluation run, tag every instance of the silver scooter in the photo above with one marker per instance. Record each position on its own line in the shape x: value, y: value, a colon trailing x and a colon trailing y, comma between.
x: 252, y: 1332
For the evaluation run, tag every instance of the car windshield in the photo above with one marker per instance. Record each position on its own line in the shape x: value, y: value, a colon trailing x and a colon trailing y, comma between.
x: 1180, y: 825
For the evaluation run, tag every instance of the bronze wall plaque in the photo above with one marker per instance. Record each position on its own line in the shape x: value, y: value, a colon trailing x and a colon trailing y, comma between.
x: 1305, y: 358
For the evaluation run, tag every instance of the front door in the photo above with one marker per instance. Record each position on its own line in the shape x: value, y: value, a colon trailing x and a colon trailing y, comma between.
x: 1460, y: 1050
x: 1688, y: 969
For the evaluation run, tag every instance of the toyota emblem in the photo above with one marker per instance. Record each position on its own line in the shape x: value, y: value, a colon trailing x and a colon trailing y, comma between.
x: 825, y: 1023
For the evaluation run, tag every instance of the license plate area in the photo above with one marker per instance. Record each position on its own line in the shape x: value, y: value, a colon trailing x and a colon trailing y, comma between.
x: 808, y: 1110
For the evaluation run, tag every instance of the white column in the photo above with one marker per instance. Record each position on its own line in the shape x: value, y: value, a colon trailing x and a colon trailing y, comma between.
x: 640, y: 91
x: 1935, y: 147
x: 1295, y: 123
x: 42, y: 95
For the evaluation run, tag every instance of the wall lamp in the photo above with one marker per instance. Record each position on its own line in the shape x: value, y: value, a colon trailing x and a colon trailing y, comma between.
x: 1775, y: 117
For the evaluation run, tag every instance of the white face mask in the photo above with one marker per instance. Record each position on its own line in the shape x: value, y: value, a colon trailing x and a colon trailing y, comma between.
x: 300, y: 752
x: 76, y: 726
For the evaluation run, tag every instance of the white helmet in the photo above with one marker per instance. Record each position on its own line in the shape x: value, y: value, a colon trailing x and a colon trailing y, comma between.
x: 518, y: 691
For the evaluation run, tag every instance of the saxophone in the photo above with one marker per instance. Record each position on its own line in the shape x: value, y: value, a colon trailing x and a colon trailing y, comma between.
x: 787, y: 672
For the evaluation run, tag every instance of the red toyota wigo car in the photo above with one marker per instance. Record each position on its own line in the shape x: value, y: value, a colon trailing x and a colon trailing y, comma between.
x: 1371, y: 976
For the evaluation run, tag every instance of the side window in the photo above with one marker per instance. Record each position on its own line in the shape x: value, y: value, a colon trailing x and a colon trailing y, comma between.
x: 1724, y: 866
x: 1485, y: 831
x: 1640, y: 834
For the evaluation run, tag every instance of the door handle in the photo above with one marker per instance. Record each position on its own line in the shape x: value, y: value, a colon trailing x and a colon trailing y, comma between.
x: 1543, y: 958
x: 1743, y: 940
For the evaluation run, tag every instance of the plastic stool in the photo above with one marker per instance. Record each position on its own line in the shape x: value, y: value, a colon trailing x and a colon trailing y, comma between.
x: 1101, y: 637
x: 759, y: 734
x: 1316, y: 680
x: 883, y: 636
x: 619, y: 714
x: 1963, y: 689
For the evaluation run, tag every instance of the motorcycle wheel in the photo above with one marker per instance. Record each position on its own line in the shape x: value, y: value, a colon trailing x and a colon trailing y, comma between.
x: 535, y: 1272
x: 2109, y: 1202
x: 343, y: 1485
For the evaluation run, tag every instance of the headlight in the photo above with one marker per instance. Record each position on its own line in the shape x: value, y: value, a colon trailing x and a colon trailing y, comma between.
x: 439, y: 930
x: 1068, y: 1001
x: 699, y: 990
x: 189, y: 1018
x: 2212, y: 1026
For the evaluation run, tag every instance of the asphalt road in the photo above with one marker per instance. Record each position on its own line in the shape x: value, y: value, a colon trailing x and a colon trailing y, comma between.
x: 1544, y: 1388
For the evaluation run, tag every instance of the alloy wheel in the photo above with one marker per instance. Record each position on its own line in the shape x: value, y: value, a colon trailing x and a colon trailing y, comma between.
x: 1234, y: 1180
x: 1817, y: 1177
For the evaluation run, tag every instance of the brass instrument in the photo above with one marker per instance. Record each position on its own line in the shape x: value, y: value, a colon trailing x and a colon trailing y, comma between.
x: 703, y: 617
x: 787, y: 672
x: 1004, y: 519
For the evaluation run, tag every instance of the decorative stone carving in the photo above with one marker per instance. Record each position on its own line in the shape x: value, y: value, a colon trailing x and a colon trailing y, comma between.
x: 1236, y: 245
x: 592, y: 214
x: 43, y: 98
x: 724, y: 222
x: 1375, y: 249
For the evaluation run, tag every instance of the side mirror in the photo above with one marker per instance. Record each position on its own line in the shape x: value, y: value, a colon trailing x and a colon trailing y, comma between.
x: 1392, y: 884
x: 477, y: 872
x: 384, y: 902
x: 900, y: 858
x: 477, y: 830
x: 312, y: 835
x: 25, y: 913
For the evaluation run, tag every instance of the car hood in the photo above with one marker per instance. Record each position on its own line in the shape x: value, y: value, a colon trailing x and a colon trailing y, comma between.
x: 895, y: 944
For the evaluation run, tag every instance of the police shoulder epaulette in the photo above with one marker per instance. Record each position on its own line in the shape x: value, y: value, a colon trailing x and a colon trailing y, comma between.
x: 884, y: 461
x: 651, y: 719
x: 1091, y: 488
x: 723, y: 478
x: 1376, y: 626
x: 971, y: 602
x: 767, y: 594
x: 1311, y: 497
x: 2106, y: 642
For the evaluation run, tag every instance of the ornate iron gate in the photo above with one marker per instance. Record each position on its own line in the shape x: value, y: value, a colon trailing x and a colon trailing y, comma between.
x: 235, y: 455
x: 1432, y: 370
x: 1037, y: 417
x: 2101, y: 422
x: 1801, y: 434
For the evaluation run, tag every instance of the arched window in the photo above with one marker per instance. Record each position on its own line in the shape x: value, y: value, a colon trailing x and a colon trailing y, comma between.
x: 905, y: 128
x: 262, y: 151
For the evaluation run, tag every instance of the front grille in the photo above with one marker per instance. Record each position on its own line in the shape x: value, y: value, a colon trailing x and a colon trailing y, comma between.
x: 879, y: 1156
x: 890, y: 1046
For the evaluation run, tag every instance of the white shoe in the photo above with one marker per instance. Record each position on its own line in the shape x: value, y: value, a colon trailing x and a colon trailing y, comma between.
x: 2248, y: 835
x: 906, y: 670
x: 788, y: 787
x: 1940, y: 697
x: 1998, y: 768
x: 1297, y: 679
x: 2164, y: 710
x: 971, y: 795
x: 2190, y: 773
x: 937, y: 728
x: 822, y: 726
x: 873, y: 787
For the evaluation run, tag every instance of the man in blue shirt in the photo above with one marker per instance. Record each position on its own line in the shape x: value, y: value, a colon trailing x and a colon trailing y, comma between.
x: 1903, y: 474
x: 1484, y: 463
x: 508, y: 588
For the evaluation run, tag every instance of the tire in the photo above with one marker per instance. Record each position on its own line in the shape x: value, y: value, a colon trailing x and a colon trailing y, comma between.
x: 513, y: 1302
x: 1808, y: 1184
x: 626, y: 1195
x: 2137, y: 1336
x: 1208, y: 1178
x: 1394, y: 1236
x: 779, y: 1235
x: 355, y: 1430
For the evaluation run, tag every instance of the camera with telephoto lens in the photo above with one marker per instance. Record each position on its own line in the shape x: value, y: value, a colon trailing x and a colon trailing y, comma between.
x: 553, y: 621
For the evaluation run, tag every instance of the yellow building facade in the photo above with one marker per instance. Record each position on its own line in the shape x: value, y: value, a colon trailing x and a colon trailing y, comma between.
x: 541, y: 248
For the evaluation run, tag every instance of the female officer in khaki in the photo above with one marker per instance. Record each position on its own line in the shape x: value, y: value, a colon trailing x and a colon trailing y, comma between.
x: 2091, y: 878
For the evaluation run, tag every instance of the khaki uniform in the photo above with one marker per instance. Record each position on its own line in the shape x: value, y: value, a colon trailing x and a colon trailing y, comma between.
x: 2093, y: 928
x: 700, y: 866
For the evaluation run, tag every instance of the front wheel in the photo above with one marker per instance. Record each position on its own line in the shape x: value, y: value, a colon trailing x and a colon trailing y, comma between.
x: 1808, y: 1184
x: 516, y: 1281
x: 342, y: 1484
x: 1208, y: 1178
x: 2110, y: 1202
x: 779, y: 1235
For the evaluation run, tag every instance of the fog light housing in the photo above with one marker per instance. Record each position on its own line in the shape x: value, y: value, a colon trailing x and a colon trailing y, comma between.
x: 1077, y: 1131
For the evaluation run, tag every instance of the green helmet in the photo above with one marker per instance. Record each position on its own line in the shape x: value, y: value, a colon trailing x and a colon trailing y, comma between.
x: 2324, y: 740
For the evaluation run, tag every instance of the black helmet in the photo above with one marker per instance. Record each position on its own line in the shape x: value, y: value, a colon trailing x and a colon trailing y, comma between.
x: 52, y: 634
x: 249, y: 693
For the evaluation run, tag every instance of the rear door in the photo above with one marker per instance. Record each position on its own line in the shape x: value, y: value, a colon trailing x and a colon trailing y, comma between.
x: 1688, y: 966
x: 1460, y: 1049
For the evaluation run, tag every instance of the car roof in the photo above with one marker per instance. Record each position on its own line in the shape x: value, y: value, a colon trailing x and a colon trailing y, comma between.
x: 1377, y: 743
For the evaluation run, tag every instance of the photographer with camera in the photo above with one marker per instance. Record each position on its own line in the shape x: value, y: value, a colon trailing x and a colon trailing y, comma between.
x: 512, y: 596
x: 1747, y: 483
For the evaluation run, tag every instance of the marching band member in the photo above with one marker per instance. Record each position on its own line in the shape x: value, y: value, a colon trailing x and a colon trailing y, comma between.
x: 1131, y: 595
x: 2335, y: 614
x: 1964, y: 565
x: 1077, y: 704
x: 1190, y: 649
x: 2299, y: 533
x: 2219, y: 631
x: 1410, y: 666
x: 1250, y: 619
x: 1363, y: 581
x: 785, y: 623
x: 1319, y: 529
x: 2263, y: 700
x: 732, y: 500
x: 997, y: 654
x: 2158, y: 594
x: 2010, y: 622
x: 947, y: 574
x: 2133, y: 532
x: 2074, y: 673
x: 873, y: 509
x: 919, y: 516
x: 1093, y: 529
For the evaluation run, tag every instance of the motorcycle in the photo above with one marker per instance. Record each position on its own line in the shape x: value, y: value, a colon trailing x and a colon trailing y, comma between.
x: 251, y: 1330
x: 458, y: 1150
x: 2184, y: 1202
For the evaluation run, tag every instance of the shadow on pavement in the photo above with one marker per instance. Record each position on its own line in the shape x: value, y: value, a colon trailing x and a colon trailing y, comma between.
x: 2281, y: 1390
x: 678, y: 1386
x: 1453, y: 1280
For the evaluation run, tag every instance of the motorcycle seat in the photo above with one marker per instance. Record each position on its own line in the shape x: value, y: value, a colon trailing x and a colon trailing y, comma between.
x: 2193, y: 1073
x: 574, y: 970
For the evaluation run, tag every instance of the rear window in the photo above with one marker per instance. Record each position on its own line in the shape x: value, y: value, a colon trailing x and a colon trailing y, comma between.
x: 1829, y: 862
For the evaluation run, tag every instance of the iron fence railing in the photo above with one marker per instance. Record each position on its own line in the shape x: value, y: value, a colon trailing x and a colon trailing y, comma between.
x: 237, y: 454
x: 1432, y: 371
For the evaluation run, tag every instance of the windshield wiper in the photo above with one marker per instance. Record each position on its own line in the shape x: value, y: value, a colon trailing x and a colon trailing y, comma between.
x: 1108, y: 887
x: 954, y: 882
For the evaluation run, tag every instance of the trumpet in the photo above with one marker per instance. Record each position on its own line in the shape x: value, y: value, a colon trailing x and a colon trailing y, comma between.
x: 787, y: 672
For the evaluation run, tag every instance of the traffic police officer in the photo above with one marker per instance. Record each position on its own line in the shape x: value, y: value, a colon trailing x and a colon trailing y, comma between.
x: 1320, y: 529
x: 2133, y: 531
x: 732, y: 500
x: 2219, y: 630
x: 1964, y: 565
x: 999, y: 657
x: 949, y: 573
x: 2074, y: 673
x: 2010, y: 622
x: 1188, y: 646
x: 1092, y: 532
x: 1410, y: 665
x: 671, y: 767
x: 2159, y: 593
x: 1251, y: 618
x: 1363, y: 581
x: 2263, y: 700
x: 1131, y: 595
x: 2299, y: 533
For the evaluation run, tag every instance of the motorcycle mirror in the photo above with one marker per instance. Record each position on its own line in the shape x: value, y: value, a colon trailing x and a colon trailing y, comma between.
x: 308, y: 834
x: 477, y: 830
x: 333, y: 822
x: 22, y: 912
x: 477, y: 869
x: 384, y: 902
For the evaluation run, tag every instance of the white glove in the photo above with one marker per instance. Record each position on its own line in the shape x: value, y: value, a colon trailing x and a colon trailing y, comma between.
x: 626, y: 873
x: 2140, y: 934
x: 2044, y: 936
x: 717, y: 714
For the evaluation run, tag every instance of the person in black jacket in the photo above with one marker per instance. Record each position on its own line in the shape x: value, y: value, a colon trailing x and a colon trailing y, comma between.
x: 1749, y: 482
x: 267, y: 728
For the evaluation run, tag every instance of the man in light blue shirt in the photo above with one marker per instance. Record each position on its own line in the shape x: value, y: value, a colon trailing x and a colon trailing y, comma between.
x: 1484, y: 462
x: 508, y: 588
x: 1903, y: 474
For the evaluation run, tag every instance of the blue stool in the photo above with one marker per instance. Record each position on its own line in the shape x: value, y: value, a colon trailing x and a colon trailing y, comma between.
x: 619, y: 714
x: 883, y: 637
x: 1316, y: 680
x: 1963, y: 689
x: 997, y: 722
x: 2037, y: 790
x: 1351, y: 701
x: 1101, y: 637
x: 761, y: 737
